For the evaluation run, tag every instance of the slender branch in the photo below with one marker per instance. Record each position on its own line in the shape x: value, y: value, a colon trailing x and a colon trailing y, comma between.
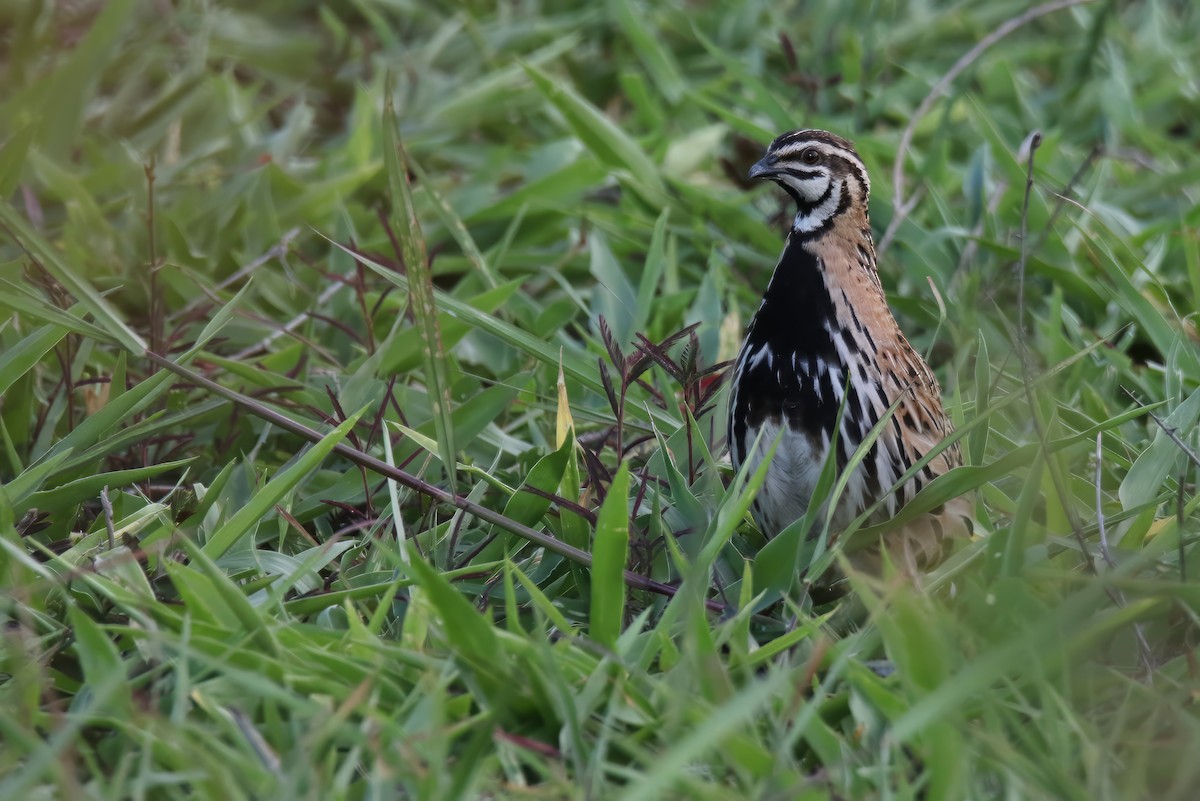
x: 1166, y: 429
x: 278, y: 250
x: 1179, y: 523
x: 1104, y: 551
x: 106, y: 504
x: 1060, y: 487
x: 1065, y: 195
x: 902, y: 206
x: 157, y: 307
x: 1115, y: 593
x: 414, y: 483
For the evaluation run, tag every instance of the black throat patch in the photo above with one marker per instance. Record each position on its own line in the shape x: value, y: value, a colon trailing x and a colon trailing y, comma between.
x: 789, y: 360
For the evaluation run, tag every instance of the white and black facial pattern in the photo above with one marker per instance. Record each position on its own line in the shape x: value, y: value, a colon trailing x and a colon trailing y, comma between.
x: 820, y: 171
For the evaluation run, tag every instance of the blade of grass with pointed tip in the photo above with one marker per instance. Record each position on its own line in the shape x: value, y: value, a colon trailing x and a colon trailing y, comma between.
x: 412, y: 243
x: 468, y: 632
x: 454, y: 225
x: 90, y: 486
x: 581, y: 369
x: 48, y: 257
x: 31, y: 307
x: 19, y: 359
x: 610, y: 552
x: 265, y: 499
x: 598, y: 133
x: 250, y: 616
x: 527, y: 506
x: 32, y: 478
x: 716, y: 727
x: 575, y: 530
x: 656, y: 260
x: 657, y: 59
x: 12, y: 158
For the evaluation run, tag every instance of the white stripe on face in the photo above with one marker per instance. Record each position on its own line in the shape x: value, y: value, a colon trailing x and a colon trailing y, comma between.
x: 810, y: 189
x: 813, y: 220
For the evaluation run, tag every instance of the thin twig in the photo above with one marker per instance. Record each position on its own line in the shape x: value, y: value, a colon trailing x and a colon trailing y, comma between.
x: 1104, y: 551
x: 1069, y: 189
x: 1166, y: 429
x: 1179, y: 524
x: 438, y: 494
x: 290, y: 326
x: 106, y: 505
x: 1023, y: 357
x: 902, y: 206
x: 157, y: 307
x: 278, y: 250
x: 1064, y: 496
x: 1114, y: 592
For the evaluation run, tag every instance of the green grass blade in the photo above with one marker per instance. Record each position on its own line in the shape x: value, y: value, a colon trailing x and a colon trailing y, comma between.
x: 19, y: 359
x: 408, y: 228
x: 249, y: 516
x: 610, y: 552
x: 600, y: 134
x: 38, y: 248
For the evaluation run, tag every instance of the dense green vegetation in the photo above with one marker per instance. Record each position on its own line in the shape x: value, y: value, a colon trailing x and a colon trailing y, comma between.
x: 502, y: 250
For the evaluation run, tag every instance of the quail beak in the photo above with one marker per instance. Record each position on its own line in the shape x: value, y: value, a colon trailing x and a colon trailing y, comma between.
x: 765, y: 168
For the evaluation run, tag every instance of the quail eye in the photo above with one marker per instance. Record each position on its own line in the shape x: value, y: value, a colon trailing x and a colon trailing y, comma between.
x: 811, y: 156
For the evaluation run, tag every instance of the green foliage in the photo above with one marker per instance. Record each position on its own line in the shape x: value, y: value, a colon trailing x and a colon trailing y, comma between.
x: 505, y: 249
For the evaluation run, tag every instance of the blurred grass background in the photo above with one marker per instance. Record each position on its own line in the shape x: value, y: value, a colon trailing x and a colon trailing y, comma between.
x: 198, y: 603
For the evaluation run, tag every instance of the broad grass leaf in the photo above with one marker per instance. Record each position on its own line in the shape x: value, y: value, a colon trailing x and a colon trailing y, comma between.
x: 98, y: 657
x: 652, y: 271
x: 646, y: 41
x: 13, y: 155
x: 695, y: 516
x: 401, y: 351
x: 546, y: 475
x: 252, y: 619
x: 33, y: 477
x: 31, y: 307
x: 20, y: 358
x: 89, y: 487
x: 760, y: 97
x: 614, y: 297
x: 116, y: 412
x: 64, y: 96
x: 1154, y: 465
x: 610, y: 553
x: 249, y: 516
x: 597, y: 132
x: 106, y: 317
x: 575, y: 365
x: 468, y: 633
